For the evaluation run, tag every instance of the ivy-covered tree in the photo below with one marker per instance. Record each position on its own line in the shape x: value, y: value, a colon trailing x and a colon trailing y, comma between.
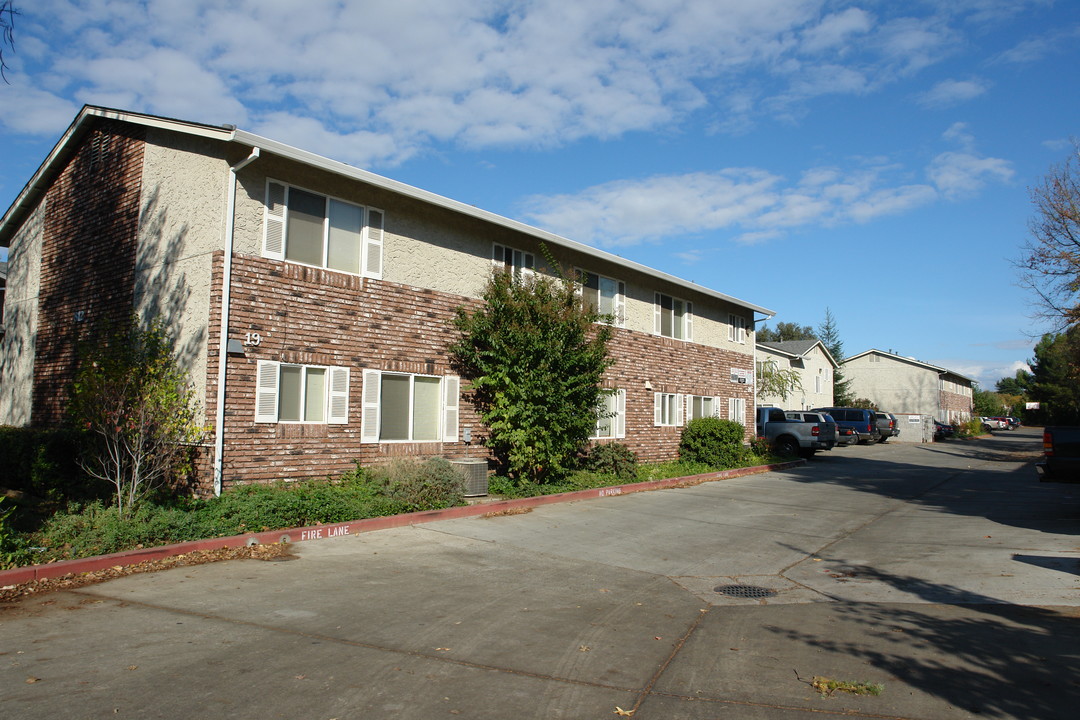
x: 137, y: 409
x: 535, y: 355
x: 785, y: 331
x: 830, y: 337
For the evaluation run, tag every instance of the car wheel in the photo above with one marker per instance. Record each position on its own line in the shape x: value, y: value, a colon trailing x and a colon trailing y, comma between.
x: 787, y: 446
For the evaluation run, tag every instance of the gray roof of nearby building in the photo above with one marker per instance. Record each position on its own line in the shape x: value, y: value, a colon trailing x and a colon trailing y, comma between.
x: 798, y: 348
x: 34, y: 190
x: 911, y: 361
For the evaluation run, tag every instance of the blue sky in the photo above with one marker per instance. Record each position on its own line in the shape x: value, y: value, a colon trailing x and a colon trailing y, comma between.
x: 870, y: 157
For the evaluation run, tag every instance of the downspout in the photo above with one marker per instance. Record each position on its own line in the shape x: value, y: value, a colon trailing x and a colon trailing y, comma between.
x: 223, y: 333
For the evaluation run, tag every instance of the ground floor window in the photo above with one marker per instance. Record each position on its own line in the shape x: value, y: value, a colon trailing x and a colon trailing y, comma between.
x: 301, y: 393
x: 410, y: 408
x: 737, y: 410
x: 702, y: 406
x: 667, y: 409
x: 611, y: 415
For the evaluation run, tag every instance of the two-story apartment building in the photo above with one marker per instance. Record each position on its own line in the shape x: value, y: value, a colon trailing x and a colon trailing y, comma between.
x: 906, y: 385
x: 311, y: 300
x: 813, y: 364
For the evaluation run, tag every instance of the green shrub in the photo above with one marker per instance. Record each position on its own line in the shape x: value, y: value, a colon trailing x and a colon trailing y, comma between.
x: 42, y: 462
x: 715, y: 442
x: 612, y: 459
x: 428, y: 485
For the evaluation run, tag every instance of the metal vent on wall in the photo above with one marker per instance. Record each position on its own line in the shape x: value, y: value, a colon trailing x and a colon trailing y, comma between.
x: 476, y: 476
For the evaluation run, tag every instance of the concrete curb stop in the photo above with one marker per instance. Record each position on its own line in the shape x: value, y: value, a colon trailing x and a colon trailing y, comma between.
x: 17, y: 576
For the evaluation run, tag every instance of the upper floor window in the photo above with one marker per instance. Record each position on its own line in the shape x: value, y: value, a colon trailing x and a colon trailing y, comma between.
x: 509, y: 259
x: 314, y: 229
x: 301, y: 393
x: 674, y: 318
x: 604, y: 295
x: 736, y: 328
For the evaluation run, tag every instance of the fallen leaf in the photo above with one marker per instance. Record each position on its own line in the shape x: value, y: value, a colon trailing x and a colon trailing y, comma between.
x: 442, y: 649
x: 623, y: 713
x: 584, y: 648
x: 658, y: 638
x: 32, y: 680
x: 133, y: 667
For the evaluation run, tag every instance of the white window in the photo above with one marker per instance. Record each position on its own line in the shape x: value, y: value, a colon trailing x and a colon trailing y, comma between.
x: 511, y: 260
x: 611, y: 415
x: 411, y: 408
x: 604, y: 295
x: 301, y: 393
x: 667, y: 409
x: 736, y: 328
x: 701, y: 406
x: 817, y: 384
x: 737, y: 410
x: 313, y: 229
x: 674, y: 318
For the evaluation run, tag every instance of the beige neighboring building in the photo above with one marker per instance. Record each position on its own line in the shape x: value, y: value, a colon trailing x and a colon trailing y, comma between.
x: 905, y: 385
x: 814, y: 364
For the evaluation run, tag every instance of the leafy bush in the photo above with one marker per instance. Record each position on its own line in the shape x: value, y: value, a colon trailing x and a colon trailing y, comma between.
x: 42, y: 463
x: 428, y: 485
x: 715, y: 442
x: 612, y: 459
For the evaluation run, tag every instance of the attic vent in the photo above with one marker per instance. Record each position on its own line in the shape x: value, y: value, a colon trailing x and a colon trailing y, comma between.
x: 101, y: 146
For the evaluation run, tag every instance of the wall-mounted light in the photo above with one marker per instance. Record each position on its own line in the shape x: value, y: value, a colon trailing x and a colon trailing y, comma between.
x: 648, y: 385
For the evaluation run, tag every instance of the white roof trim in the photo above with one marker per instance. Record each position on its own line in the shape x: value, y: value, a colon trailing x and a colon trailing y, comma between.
x: 43, y: 177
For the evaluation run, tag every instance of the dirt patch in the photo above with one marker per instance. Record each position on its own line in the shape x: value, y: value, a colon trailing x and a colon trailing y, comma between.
x: 13, y: 593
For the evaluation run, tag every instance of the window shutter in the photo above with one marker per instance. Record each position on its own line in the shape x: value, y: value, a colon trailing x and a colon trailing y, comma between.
x: 339, y: 396
x: 451, y: 396
x: 373, y: 247
x: 274, y: 221
x: 620, y: 414
x: 620, y: 307
x: 369, y: 416
x: 689, y: 321
x: 680, y: 409
x: 266, y: 391
x: 716, y: 407
x: 656, y: 314
x: 731, y: 328
x: 657, y: 410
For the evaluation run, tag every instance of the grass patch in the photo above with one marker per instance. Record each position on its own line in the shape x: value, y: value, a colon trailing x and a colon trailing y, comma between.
x: 828, y: 686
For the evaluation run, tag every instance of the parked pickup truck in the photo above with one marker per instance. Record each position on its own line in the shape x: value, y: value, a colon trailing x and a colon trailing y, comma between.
x: 1061, y: 455
x: 789, y: 436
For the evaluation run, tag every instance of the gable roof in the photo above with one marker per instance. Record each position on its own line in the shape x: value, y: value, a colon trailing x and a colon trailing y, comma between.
x: 798, y: 348
x: 910, y: 361
x: 68, y: 144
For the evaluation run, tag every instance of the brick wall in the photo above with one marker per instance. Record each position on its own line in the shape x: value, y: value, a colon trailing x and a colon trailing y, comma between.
x: 310, y: 316
x: 955, y: 406
x: 88, y: 256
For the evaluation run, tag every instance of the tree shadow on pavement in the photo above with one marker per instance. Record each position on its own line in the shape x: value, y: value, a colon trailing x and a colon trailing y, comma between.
x: 989, y: 478
x: 972, y: 652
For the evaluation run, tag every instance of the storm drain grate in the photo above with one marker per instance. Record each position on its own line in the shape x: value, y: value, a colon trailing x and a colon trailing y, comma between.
x: 744, y: 591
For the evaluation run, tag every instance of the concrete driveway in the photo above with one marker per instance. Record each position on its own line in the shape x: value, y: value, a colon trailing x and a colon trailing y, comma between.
x: 945, y: 573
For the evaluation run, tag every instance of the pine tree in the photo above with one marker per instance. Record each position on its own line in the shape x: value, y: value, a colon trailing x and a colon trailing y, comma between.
x: 830, y: 338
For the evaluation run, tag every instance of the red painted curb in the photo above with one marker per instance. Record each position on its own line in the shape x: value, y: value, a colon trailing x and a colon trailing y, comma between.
x: 354, y: 527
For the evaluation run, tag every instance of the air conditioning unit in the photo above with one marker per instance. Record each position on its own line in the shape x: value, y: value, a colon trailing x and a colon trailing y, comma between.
x: 475, y: 471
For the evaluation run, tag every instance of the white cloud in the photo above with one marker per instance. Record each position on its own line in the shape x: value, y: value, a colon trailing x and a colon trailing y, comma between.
x: 487, y: 73
x: 952, y: 92
x: 753, y: 205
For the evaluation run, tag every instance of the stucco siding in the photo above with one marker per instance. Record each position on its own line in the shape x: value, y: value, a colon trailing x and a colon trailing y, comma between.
x: 431, y: 248
x: 185, y: 181
x: 21, y: 320
x: 894, y: 386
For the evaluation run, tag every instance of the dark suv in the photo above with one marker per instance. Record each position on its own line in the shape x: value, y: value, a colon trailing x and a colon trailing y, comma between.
x: 861, y: 420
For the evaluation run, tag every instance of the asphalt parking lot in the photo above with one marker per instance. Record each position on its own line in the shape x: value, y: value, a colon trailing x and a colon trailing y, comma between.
x: 946, y: 574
